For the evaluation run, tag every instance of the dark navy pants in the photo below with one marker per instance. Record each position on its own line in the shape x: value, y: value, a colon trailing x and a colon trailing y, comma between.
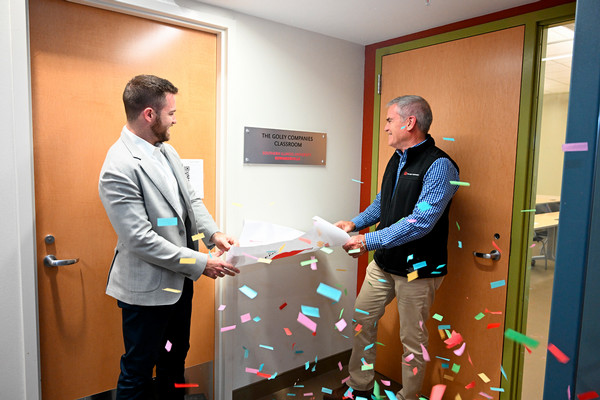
x: 146, y: 330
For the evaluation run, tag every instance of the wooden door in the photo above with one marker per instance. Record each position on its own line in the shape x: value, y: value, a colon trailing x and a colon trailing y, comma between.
x: 473, y: 86
x: 81, y: 59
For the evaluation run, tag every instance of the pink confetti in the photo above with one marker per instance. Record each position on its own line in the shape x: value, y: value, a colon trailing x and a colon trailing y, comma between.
x: 305, y: 240
x: 454, y: 340
x: 307, y: 322
x: 345, y: 379
x: 341, y: 325
x: 425, y: 353
x: 340, y: 365
x: 421, y: 324
x: 222, y: 307
x: 409, y: 357
x: 459, y: 352
x: 251, y: 370
x: 308, y: 394
x: 412, y: 221
x: 581, y: 146
x: 228, y: 328
x: 168, y: 346
x: 386, y: 383
x: 245, y: 318
x: 415, y: 370
x: 437, y: 392
x: 313, y: 266
x: 487, y: 396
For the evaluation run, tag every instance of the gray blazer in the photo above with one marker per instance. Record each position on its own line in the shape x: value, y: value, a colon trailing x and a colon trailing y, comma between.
x: 147, y: 257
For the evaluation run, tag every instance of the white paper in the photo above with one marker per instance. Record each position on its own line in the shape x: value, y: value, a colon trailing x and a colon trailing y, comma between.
x: 194, y: 171
x: 271, y: 241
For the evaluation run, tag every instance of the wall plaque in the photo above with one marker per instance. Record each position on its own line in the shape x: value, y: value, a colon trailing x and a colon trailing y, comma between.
x: 276, y: 146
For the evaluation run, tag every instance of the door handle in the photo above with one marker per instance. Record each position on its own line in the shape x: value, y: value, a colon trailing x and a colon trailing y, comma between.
x: 51, y: 261
x: 492, y: 255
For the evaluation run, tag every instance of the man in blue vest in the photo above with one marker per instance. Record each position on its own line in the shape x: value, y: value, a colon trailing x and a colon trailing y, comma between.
x: 410, y: 246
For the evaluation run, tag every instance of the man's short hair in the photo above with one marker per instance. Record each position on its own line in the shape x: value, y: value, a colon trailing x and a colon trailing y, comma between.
x: 417, y: 106
x: 145, y: 91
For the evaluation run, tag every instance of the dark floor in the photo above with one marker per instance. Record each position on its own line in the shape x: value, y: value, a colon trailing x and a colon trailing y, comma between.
x: 312, y: 389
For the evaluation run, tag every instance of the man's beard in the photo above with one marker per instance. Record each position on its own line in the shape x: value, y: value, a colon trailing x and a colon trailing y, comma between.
x: 161, y: 133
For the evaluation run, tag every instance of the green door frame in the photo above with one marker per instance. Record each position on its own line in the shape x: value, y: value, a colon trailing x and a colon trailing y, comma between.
x: 525, y: 170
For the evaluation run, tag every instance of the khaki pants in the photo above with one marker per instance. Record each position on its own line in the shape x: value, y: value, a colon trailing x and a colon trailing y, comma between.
x: 414, y: 301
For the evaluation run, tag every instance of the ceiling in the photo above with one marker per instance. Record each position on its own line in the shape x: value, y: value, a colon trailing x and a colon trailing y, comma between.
x: 370, y: 21
x: 366, y: 21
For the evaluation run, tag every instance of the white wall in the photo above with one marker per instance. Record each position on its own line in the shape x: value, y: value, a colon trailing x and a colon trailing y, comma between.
x: 276, y: 77
x: 18, y: 337
x: 552, y: 136
x: 285, y: 78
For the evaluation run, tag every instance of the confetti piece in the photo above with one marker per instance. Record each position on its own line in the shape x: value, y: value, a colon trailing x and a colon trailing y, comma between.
x: 409, y: 258
x: 496, y: 389
x: 281, y: 307
x: 222, y: 307
x: 366, y: 367
x: 198, y: 236
x: 496, y: 246
x: 256, y: 319
x: 329, y: 292
x: 479, y: 316
x: 168, y: 346
x: 251, y: 370
x: 172, y: 290
x: 353, y: 251
x: 307, y: 262
x: 263, y: 375
x: 361, y: 311
x: 415, y: 370
x: 520, y: 338
x: 437, y: 392
x: 588, y: 395
x: 166, y: 221
x: 304, y: 240
x: 487, y: 396
x: 497, y: 284
x: 245, y: 318
x: 186, y: 385
x: 310, y: 311
x: 483, y: 377
x: 449, y: 139
x: 470, y: 385
x: 391, y: 395
x: 185, y: 260
x: 459, y: 352
x: 264, y: 260
x: 248, y: 291
x: 409, y: 357
x: 454, y: 340
x: 438, y: 317
x: 357, y: 181
x: 386, y: 383
x: 494, y: 325
x: 265, y: 347
x: 308, y: 394
x: 420, y: 265
x: 326, y: 390
x: 531, y: 210
x: 245, y: 352
x: 459, y: 244
x: 326, y: 250
x: 455, y: 368
x: 307, y: 322
x: 458, y: 183
x: 503, y: 373
x: 457, y: 225
x: 423, y: 206
x: 582, y: 146
x: 560, y: 356
x: 425, y: 353
x: 412, y: 276
x: 367, y: 347
x: 237, y: 205
x: 227, y: 328
x: 442, y: 327
x: 341, y: 325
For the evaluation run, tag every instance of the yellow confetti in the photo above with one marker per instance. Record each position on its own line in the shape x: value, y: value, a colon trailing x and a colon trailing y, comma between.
x: 172, y: 290
x: 198, y: 236
x: 237, y: 205
x: 457, y: 397
x: 281, y: 248
x: 184, y: 260
x: 484, y: 377
x: 413, y: 275
x: 264, y: 260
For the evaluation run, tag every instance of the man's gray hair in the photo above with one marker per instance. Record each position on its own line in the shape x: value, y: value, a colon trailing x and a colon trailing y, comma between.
x: 417, y: 106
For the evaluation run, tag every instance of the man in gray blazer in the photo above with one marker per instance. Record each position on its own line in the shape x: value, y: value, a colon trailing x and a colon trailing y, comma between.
x: 159, y: 221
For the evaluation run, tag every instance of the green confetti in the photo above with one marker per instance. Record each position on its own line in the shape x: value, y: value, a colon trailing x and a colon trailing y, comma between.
x: 520, y: 338
x: 479, y: 316
x: 458, y: 183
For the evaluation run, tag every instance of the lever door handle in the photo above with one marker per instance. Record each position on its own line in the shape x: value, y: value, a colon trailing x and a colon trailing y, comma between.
x: 51, y: 261
x: 492, y: 255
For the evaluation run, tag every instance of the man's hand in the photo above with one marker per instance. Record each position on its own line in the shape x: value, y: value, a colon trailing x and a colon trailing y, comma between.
x: 223, y: 241
x: 217, y: 268
x: 346, y: 226
x: 356, y: 242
